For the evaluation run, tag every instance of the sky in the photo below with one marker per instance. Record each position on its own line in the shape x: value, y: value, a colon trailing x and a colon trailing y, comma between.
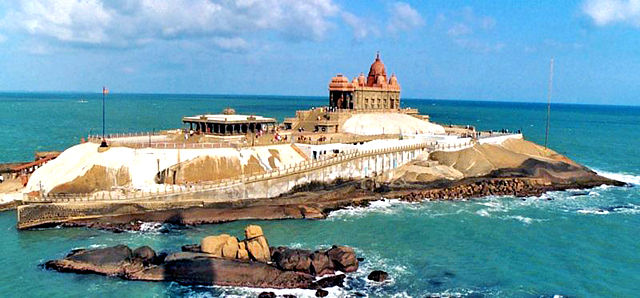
x: 469, y: 50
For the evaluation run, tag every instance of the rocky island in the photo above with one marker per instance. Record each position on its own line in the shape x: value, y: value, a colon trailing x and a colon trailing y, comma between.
x: 221, y: 260
x: 362, y: 147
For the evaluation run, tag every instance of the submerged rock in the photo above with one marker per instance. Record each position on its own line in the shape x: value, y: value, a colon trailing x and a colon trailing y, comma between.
x: 322, y: 293
x: 331, y: 281
x: 378, y: 275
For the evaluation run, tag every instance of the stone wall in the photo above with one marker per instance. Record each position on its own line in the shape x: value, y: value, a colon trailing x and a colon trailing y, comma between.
x: 376, y: 99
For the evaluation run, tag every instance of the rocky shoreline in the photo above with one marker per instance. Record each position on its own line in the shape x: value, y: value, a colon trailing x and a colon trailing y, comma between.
x: 221, y: 260
x: 318, y: 200
x: 483, y: 187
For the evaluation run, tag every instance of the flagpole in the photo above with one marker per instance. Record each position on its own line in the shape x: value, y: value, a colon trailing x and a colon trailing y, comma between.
x: 103, y: 88
x: 546, y: 135
x: 104, y: 141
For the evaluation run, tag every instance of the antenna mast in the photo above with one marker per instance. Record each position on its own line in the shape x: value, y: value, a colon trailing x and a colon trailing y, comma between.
x: 546, y: 135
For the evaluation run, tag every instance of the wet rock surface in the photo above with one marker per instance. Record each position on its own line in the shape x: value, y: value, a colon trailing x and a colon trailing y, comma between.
x: 378, y: 275
x: 318, y: 263
x: 322, y: 293
x: 283, y: 267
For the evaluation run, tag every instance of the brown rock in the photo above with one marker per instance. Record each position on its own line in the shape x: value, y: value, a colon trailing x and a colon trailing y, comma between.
x: 252, y: 231
x: 321, y: 264
x: 191, y: 248
x: 267, y: 295
x: 292, y: 259
x: 322, y: 293
x: 343, y: 258
x: 311, y: 212
x: 331, y: 281
x: 224, y: 272
x: 186, y: 255
x: 230, y: 248
x: 145, y: 254
x: 378, y: 275
x: 243, y: 254
x: 220, y: 246
x: 258, y: 249
x: 114, y: 260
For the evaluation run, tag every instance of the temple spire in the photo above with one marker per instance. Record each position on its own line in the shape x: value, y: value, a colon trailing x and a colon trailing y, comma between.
x: 378, y: 55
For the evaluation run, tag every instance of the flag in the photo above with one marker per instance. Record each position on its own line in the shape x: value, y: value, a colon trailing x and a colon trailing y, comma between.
x: 105, y: 91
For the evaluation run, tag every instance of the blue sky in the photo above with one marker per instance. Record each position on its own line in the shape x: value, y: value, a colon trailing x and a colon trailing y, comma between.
x: 488, y: 50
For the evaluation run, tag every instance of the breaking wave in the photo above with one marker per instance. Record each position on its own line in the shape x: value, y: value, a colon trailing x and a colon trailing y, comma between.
x: 384, y: 205
x: 624, y: 177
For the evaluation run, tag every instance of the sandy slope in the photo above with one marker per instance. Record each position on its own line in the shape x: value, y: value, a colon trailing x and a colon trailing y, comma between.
x: 480, y: 160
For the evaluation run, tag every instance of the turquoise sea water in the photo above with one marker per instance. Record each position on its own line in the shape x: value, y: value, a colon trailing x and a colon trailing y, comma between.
x: 575, y: 243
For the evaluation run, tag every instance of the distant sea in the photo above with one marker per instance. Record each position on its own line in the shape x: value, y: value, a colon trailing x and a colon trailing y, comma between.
x: 575, y: 243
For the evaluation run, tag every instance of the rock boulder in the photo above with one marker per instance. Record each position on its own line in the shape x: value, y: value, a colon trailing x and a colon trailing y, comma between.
x: 378, y: 275
x: 343, y: 258
x: 257, y: 245
x: 292, y: 259
x: 145, y: 254
x: 252, y: 231
x: 243, y: 254
x: 220, y: 246
x: 321, y: 264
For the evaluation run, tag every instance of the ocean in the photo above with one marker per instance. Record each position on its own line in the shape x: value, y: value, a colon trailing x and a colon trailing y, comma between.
x: 578, y: 243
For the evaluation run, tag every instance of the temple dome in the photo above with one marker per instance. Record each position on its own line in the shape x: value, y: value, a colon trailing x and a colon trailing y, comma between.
x: 339, y: 79
x: 340, y: 83
x: 361, y: 79
x: 377, y: 70
x: 228, y: 111
x: 393, y: 80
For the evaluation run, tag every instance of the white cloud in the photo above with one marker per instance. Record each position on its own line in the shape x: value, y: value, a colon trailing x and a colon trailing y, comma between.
x: 403, y: 17
x: 360, y: 26
x: 125, y: 23
x: 2, y: 38
x: 605, y: 12
x: 71, y: 21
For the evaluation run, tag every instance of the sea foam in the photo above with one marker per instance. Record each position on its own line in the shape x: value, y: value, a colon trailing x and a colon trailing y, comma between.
x: 624, y: 177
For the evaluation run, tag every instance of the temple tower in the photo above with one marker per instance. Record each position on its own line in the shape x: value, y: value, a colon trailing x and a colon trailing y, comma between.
x: 374, y: 92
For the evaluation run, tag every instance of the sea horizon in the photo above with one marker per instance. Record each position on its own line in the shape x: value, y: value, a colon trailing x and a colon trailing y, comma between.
x: 524, y: 101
